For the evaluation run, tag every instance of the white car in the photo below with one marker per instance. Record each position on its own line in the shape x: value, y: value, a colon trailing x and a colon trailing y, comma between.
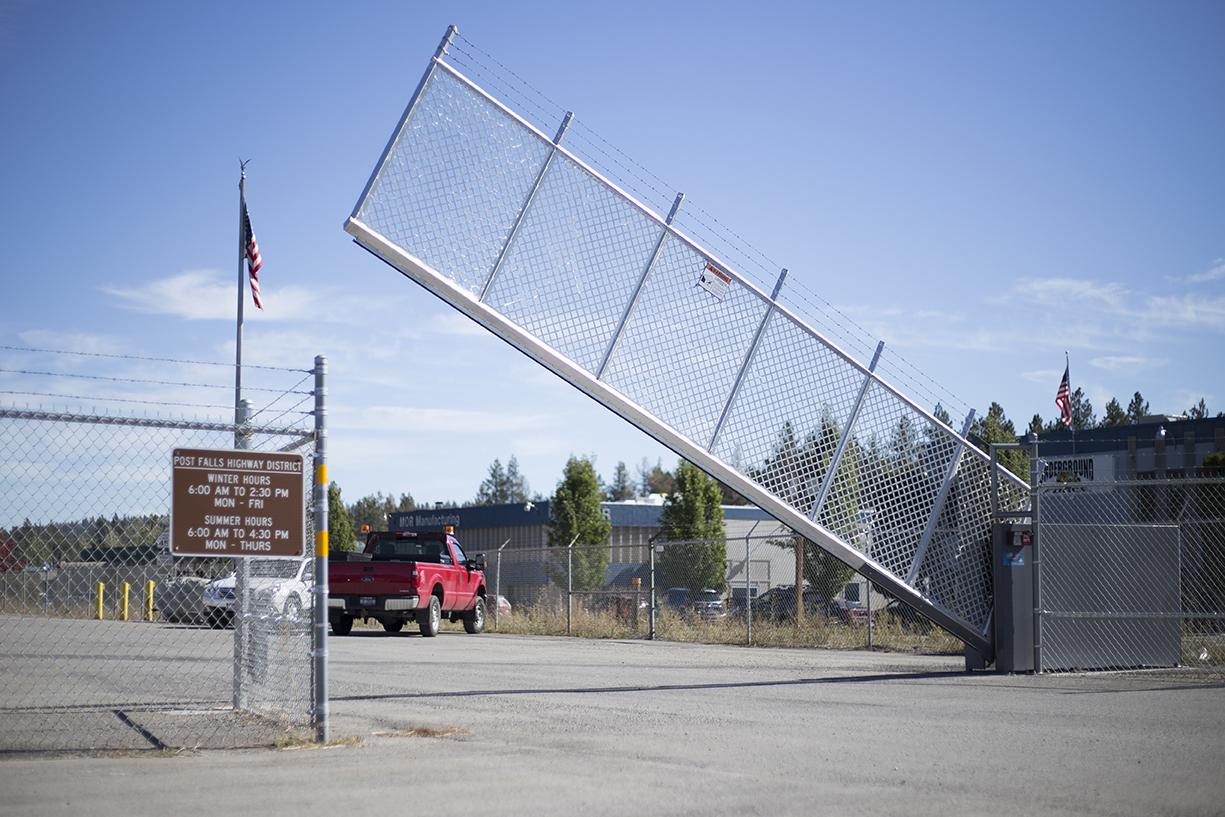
x: 279, y: 587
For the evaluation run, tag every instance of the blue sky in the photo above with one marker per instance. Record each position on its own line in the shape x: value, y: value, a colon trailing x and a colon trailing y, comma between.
x: 982, y: 187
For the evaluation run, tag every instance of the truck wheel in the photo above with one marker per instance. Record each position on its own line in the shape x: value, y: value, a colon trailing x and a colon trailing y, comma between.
x: 342, y: 625
x: 393, y: 626
x: 474, y: 619
x: 430, y: 619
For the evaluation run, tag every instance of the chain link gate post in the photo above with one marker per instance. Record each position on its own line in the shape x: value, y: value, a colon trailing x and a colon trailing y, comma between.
x: 319, y: 611
x: 1035, y: 475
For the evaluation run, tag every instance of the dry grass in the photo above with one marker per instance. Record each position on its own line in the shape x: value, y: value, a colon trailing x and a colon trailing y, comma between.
x: 812, y: 632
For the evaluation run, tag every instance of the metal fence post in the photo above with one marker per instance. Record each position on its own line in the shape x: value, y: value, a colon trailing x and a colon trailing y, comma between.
x: 569, y: 583
x: 319, y: 614
x: 1035, y: 472
x: 651, y: 551
x: 497, y: 585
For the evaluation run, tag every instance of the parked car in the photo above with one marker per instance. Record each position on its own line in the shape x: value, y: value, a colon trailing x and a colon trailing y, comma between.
x: 708, y: 605
x: 279, y: 587
x: 181, y: 599
x: 847, y: 612
x: 498, y: 603
x: 620, y: 605
x: 674, y: 598
x: 778, y: 603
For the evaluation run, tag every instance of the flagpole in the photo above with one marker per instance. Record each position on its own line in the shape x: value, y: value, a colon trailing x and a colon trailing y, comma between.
x: 239, y: 414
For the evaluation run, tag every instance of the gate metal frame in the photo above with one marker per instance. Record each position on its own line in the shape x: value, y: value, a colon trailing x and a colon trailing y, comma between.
x: 802, y: 520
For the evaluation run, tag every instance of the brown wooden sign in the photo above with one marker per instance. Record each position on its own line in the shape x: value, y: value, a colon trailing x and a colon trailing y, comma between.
x: 227, y: 502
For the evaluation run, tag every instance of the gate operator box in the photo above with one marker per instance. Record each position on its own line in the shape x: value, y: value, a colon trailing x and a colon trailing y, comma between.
x: 1012, y: 567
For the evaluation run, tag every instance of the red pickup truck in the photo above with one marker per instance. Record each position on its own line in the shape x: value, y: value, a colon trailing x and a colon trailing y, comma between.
x: 401, y: 577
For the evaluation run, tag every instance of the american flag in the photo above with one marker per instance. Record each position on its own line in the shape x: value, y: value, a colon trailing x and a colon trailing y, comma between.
x: 1063, y: 399
x: 254, y: 262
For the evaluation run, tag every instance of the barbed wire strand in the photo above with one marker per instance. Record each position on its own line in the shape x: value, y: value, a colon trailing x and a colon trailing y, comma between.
x: 153, y: 359
x: 114, y: 399
x: 290, y: 410
x: 137, y: 380
x: 288, y: 391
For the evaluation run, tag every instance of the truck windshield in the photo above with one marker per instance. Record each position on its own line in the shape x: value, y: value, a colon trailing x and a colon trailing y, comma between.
x: 424, y: 550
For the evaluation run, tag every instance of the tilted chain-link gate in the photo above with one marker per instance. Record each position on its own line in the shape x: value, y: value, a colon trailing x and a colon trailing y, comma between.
x: 108, y: 640
x: 503, y: 222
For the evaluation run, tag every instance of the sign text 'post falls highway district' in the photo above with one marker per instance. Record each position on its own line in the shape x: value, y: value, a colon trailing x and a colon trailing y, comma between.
x: 237, y: 503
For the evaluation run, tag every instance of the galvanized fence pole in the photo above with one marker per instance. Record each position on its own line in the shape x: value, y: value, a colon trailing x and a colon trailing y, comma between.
x: 242, y: 571
x: 748, y: 593
x: 497, y: 585
x: 651, y: 546
x: 1035, y: 473
x: 319, y: 613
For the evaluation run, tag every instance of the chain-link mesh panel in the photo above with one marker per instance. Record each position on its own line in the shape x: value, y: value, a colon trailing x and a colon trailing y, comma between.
x: 108, y: 640
x: 1133, y: 574
x: 682, y: 349
x: 575, y: 263
x: 455, y: 182
x: 565, y: 266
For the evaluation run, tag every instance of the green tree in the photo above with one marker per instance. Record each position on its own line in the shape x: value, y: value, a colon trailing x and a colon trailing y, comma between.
x: 1114, y: 415
x: 372, y: 510
x: 1137, y: 409
x: 653, y: 479
x: 622, y: 487
x: 795, y: 471
x: 694, y: 511
x: 1199, y: 411
x: 941, y: 414
x: 994, y: 427
x: 340, y: 529
x: 1083, y: 417
x: 1038, y: 426
x: 575, y: 515
x: 503, y: 487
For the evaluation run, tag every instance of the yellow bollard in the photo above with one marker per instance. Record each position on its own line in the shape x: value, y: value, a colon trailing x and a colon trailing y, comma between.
x: 124, y: 589
x: 99, y: 589
x: 149, y: 600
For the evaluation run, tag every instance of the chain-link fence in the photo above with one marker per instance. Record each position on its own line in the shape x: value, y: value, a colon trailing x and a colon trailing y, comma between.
x: 1132, y: 574
x: 108, y: 640
x: 739, y: 590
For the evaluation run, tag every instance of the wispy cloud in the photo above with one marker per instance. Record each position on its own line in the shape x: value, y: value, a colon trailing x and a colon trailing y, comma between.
x: 1186, y: 310
x: 71, y: 342
x: 1125, y: 364
x: 209, y: 295
x: 1217, y: 272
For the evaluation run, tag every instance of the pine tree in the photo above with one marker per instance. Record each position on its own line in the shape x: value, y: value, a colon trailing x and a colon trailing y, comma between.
x: 622, y: 487
x: 1115, y: 416
x: 1137, y: 409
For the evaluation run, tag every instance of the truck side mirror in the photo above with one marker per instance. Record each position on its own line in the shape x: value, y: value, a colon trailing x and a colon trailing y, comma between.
x: 479, y: 562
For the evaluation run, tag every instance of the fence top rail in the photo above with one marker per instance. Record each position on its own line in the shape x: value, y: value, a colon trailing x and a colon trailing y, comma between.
x: 1082, y: 487
x: 618, y: 546
x: 148, y: 422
